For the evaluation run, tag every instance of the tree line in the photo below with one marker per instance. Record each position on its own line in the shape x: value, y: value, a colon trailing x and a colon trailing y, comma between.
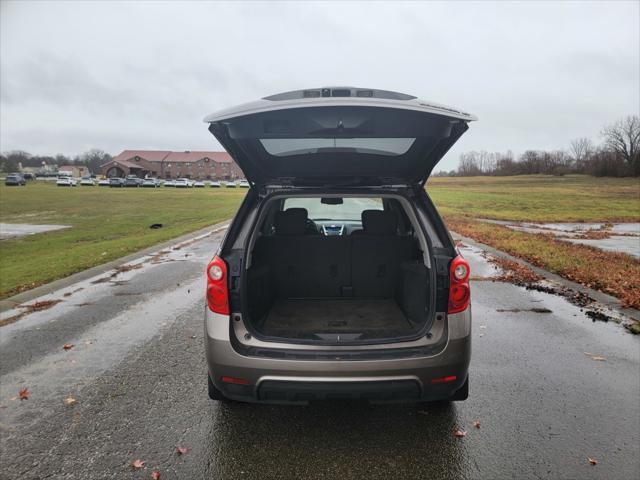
x: 617, y: 156
x: 92, y: 159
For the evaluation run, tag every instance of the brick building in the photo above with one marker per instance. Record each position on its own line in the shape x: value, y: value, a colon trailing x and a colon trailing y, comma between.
x: 166, y: 164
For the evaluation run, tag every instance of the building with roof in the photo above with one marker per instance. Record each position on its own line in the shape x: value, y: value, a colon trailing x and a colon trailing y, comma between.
x: 166, y: 164
x: 74, y: 170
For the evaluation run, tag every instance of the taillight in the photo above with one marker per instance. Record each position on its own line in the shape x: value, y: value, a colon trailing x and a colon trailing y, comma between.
x: 459, y: 291
x: 217, y: 289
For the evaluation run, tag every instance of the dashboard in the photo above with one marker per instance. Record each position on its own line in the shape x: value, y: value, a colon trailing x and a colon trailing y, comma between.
x: 332, y: 228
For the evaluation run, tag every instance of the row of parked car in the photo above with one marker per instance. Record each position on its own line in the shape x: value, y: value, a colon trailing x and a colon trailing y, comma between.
x: 133, y: 181
x: 129, y: 181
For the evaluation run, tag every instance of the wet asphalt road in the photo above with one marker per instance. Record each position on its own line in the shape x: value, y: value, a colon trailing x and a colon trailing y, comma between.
x: 138, y: 373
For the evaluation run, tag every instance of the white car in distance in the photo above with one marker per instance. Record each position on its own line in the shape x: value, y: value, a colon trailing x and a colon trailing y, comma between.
x: 88, y: 182
x: 66, y: 182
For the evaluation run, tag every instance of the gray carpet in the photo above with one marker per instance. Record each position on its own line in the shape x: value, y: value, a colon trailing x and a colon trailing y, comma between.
x: 302, y: 318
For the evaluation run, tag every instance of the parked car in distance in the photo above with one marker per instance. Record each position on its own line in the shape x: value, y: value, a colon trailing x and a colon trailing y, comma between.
x: 66, y: 182
x: 15, y: 179
x: 169, y: 183
x: 337, y: 278
x: 198, y: 184
x: 104, y: 182
x: 230, y: 184
x: 116, y: 182
x: 214, y: 184
x: 132, y: 181
x: 29, y: 176
x: 243, y: 184
x: 151, y: 183
x: 88, y: 181
x: 183, y: 183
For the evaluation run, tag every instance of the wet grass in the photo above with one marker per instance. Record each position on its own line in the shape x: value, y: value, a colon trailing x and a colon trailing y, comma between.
x: 538, y: 198
x: 106, y: 223
x: 614, y: 273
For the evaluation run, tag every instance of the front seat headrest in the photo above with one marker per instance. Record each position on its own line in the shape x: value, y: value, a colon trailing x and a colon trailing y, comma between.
x: 379, y: 222
x: 291, y: 221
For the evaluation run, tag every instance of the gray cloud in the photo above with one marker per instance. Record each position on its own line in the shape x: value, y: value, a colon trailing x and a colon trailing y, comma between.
x: 118, y: 75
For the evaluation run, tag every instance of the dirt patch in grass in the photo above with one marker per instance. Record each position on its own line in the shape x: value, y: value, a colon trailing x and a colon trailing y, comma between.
x: 613, y: 273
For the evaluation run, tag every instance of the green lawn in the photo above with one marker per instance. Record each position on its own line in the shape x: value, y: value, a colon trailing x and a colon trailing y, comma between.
x: 538, y: 198
x: 106, y: 223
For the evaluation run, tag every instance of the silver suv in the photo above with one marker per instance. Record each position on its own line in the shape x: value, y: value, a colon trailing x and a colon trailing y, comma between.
x: 337, y: 278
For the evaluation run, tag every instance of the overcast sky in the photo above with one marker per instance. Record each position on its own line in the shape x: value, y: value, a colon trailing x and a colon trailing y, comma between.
x: 121, y: 75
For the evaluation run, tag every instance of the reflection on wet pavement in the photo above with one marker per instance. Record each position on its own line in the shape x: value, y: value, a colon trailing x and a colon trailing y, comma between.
x: 336, y: 440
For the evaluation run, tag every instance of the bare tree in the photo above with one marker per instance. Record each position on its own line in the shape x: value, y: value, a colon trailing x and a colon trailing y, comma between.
x: 581, y: 149
x: 623, y: 137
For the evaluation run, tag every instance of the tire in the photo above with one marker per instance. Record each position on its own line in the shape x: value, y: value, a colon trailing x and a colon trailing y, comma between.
x: 214, y: 393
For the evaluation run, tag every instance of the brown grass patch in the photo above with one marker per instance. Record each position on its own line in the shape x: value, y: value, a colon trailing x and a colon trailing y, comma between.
x: 515, y: 272
x: 616, y: 274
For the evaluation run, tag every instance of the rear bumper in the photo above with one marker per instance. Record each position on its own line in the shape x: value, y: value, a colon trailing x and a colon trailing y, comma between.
x: 275, y: 380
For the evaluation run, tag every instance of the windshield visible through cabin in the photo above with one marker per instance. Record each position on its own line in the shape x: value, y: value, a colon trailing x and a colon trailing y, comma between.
x: 349, y: 209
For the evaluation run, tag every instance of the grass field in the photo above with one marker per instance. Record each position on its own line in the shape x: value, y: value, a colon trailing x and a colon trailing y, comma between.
x: 107, y: 223
x: 110, y: 223
x: 548, y: 199
x: 535, y: 198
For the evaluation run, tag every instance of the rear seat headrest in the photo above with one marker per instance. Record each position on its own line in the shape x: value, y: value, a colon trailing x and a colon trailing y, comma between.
x: 379, y: 222
x: 291, y: 221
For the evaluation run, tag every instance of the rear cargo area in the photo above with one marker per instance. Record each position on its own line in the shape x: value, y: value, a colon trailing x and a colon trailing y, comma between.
x: 309, y: 318
x: 358, y: 287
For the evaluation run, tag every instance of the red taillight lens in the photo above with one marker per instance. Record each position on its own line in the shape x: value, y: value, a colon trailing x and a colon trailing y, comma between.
x: 459, y: 291
x: 450, y: 378
x: 217, y: 289
x: 235, y: 380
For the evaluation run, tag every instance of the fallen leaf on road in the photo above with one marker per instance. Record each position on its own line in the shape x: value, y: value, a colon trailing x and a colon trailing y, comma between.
x: 68, y: 346
x: 181, y: 450
x: 70, y: 400
x: 597, y: 358
x: 476, y: 423
x: 24, y: 394
x: 592, y: 461
x: 155, y: 475
x: 459, y: 433
x: 137, y: 463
